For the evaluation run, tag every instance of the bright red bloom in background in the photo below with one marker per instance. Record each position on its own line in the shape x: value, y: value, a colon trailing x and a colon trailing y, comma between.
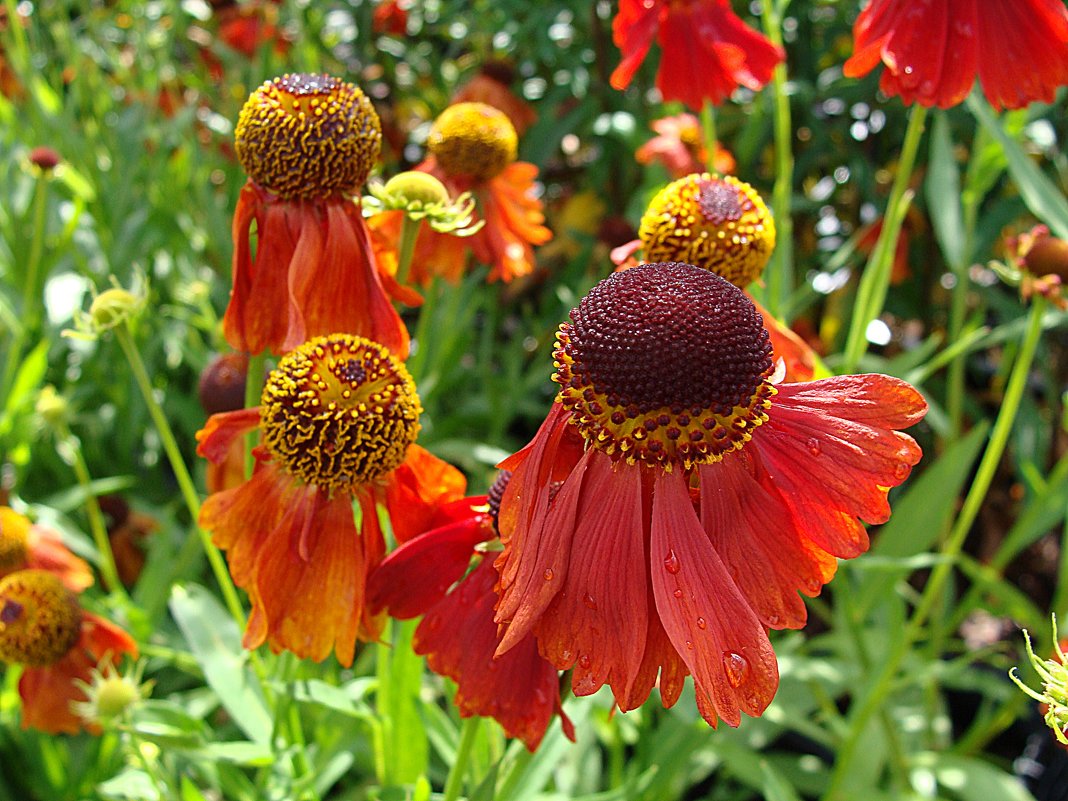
x: 338, y: 418
x: 426, y: 576
x: 932, y: 51
x: 706, y: 51
x: 674, y: 502
x: 308, y: 143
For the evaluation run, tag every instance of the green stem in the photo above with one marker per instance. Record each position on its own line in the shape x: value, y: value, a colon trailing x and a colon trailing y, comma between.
x: 463, y: 755
x: 708, y: 132
x: 257, y: 367
x: 181, y: 472
x: 406, y: 247
x: 779, y: 276
x: 951, y: 548
x: 871, y: 292
x: 417, y: 363
x: 97, y: 527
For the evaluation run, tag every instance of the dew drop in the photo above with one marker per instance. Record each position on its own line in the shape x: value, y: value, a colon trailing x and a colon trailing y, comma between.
x: 590, y: 601
x: 774, y: 620
x: 689, y: 645
x: 901, y: 472
x: 814, y: 446
x: 548, y: 574
x: 565, y: 655
x: 584, y: 662
x: 677, y: 593
x: 736, y: 667
x: 701, y: 624
x: 671, y: 562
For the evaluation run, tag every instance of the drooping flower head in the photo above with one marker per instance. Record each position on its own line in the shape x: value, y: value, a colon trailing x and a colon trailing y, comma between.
x: 432, y: 575
x: 675, y: 500
x: 338, y: 418
x: 472, y: 148
x: 717, y: 223
x: 932, y: 51
x: 706, y: 51
x: 307, y: 143
x: 44, y: 629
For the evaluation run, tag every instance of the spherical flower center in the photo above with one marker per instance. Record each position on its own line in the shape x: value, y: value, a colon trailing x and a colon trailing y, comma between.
x: 473, y: 140
x: 40, y: 619
x: 495, y: 494
x: 666, y: 364
x: 14, y: 540
x: 308, y: 136
x: 718, y: 224
x: 339, y: 411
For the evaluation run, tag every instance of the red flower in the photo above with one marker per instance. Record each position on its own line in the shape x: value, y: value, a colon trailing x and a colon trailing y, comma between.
x: 43, y: 628
x: 473, y: 149
x: 338, y: 419
x: 674, y: 501
x: 706, y: 50
x: 307, y: 143
x: 426, y: 575
x: 678, y: 145
x: 933, y: 50
x: 391, y: 17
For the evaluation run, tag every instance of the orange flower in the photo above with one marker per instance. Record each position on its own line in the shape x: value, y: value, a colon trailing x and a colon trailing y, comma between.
x: 24, y: 545
x: 247, y: 26
x: 490, y: 86
x: 338, y: 417
x: 307, y: 143
x: 932, y: 51
x: 429, y: 576
x: 473, y: 149
x: 221, y: 388
x: 706, y: 51
x: 44, y: 629
x: 678, y: 145
x: 675, y: 501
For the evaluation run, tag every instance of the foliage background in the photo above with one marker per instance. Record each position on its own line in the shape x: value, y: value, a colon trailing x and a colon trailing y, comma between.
x: 144, y: 197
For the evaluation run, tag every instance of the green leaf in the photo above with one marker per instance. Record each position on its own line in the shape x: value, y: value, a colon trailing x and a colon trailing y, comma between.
x: 776, y: 787
x: 943, y: 193
x: 190, y: 791
x: 969, y: 778
x: 406, y: 746
x: 1040, y: 194
x: 238, y: 753
x: 216, y: 643
x: 133, y: 784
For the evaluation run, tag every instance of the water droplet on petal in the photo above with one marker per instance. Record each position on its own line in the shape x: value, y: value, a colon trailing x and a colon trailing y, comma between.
x: 814, y: 446
x: 677, y: 593
x: 584, y: 662
x: 901, y: 472
x: 689, y: 645
x: 548, y: 574
x: 774, y: 620
x: 565, y: 655
x: 590, y: 601
x: 736, y: 666
x: 671, y: 562
x: 701, y: 624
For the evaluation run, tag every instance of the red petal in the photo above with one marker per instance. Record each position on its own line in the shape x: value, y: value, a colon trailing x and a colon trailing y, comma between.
x: 310, y: 582
x: 1025, y: 51
x: 222, y: 429
x: 633, y: 31
x: 755, y: 535
x: 419, y: 573
x: 831, y: 451
x: 417, y: 489
x: 597, y: 621
x: 519, y: 689
x: 706, y: 618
